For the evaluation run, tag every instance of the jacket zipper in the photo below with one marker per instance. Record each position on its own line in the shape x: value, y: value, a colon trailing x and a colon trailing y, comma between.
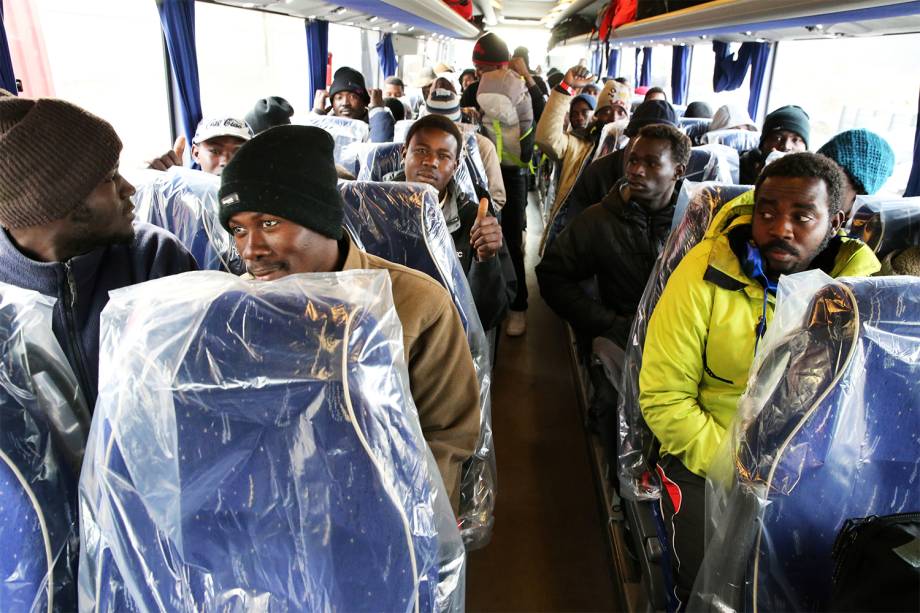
x: 70, y: 306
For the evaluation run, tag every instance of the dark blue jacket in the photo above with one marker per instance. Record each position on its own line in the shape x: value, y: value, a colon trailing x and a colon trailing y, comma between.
x: 82, y: 285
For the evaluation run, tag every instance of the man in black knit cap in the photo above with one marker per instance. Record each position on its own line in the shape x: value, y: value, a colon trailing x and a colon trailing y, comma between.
x: 280, y: 202
x: 601, y: 175
x: 786, y: 129
x: 349, y: 97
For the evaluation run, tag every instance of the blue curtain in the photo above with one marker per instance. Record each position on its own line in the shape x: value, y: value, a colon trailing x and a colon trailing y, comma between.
x: 7, y: 77
x: 646, y: 78
x: 177, y: 17
x: 317, y: 55
x: 913, y: 183
x: 596, y: 60
x: 613, y: 63
x: 680, y: 73
x: 638, y: 67
x: 760, y: 55
x: 387, y: 56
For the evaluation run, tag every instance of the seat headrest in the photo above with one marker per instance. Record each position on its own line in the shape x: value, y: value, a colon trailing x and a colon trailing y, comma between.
x: 885, y: 224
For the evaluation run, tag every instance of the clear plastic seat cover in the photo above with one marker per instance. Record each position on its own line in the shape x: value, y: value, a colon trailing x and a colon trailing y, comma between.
x: 740, y: 140
x: 347, y: 133
x: 185, y: 202
x: 886, y: 224
x: 43, y: 425
x: 403, y: 223
x: 256, y: 447
x: 826, y: 431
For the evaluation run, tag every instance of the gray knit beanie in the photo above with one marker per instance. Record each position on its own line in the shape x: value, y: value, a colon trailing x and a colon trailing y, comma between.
x: 52, y: 155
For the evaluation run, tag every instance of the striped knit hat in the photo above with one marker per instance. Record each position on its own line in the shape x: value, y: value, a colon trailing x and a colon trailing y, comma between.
x: 52, y: 155
x: 444, y: 102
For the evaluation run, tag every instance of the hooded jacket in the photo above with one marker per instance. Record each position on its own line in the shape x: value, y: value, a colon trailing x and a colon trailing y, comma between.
x: 81, y: 286
x: 616, y: 241
x: 702, y: 335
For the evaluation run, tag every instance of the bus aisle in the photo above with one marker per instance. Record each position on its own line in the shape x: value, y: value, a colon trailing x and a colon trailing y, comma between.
x: 548, y: 549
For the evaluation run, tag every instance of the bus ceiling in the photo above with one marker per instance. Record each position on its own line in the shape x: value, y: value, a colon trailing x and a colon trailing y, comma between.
x: 406, y: 17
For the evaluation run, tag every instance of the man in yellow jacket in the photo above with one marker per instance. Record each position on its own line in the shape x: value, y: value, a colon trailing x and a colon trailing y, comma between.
x: 279, y: 201
x: 715, y: 308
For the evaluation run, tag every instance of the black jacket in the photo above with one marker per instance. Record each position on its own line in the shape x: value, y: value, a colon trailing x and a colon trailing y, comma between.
x: 615, y: 241
x: 749, y: 166
x: 493, y: 282
x: 594, y: 184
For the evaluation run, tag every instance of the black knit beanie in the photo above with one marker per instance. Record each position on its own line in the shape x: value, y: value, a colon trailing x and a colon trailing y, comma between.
x: 792, y: 118
x: 647, y: 113
x: 268, y: 113
x: 348, y: 79
x: 288, y: 171
x: 491, y: 50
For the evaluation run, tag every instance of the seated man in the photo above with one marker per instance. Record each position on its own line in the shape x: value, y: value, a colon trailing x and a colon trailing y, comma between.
x: 602, y: 174
x: 215, y: 143
x: 431, y: 155
x: 786, y: 129
x: 268, y: 113
x: 67, y: 222
x: 714, y: 309
x: 867, y: 160
x: 351, y: 98
x: 617, y: 240
x: 655, y: 93
x: 280, y: 202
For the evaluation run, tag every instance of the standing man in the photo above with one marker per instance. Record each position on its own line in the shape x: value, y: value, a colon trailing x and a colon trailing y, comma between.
x: 68, y: 222
x: 491, y: 54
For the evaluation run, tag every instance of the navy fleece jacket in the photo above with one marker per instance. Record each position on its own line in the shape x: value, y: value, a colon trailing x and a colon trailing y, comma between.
x: 82, y: 285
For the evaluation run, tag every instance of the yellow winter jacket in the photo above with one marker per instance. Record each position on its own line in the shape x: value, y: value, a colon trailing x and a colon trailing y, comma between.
x: 702, y: 334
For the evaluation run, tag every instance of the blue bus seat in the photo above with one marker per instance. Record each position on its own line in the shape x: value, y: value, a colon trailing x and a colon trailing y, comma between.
x: 694, y: 128
x: 740, y: 140
x: 401, y: 129
x: 185, y: 202
x: 827, y: 431
x: 347, y: 134
x: 886, y: 224
x: 257, y: 448
x: 403, y: 223
x: 378, y: 160
x: 712, y: 163
x: 40, y: 453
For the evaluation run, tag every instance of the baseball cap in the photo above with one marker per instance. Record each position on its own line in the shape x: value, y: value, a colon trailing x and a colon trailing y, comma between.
x: 212, y: 127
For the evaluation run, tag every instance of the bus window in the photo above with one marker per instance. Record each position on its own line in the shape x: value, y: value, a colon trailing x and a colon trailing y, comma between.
x: 866, y: 83
x: 104, y: 54
x: 247, y: 55
x: 345, y: 45
x: 702, y: 65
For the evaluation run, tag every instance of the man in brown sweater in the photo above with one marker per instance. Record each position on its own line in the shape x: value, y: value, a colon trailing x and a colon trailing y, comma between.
x: 280, y: 203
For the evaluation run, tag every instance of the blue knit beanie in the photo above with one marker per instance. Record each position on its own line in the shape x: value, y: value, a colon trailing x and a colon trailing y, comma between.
x: 865, y: 157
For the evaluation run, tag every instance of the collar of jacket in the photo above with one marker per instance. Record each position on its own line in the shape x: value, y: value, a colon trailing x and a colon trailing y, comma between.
x: 633, y: 211
x: 47, y: 277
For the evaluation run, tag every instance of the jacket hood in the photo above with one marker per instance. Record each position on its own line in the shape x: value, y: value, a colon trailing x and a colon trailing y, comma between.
x: 853, y: 258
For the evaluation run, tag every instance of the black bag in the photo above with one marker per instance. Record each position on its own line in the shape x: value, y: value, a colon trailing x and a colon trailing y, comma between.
x: 651, y: 8
x: 877, y: 564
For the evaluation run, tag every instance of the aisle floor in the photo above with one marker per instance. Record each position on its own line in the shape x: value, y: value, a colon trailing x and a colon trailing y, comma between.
x: 548, y: 550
